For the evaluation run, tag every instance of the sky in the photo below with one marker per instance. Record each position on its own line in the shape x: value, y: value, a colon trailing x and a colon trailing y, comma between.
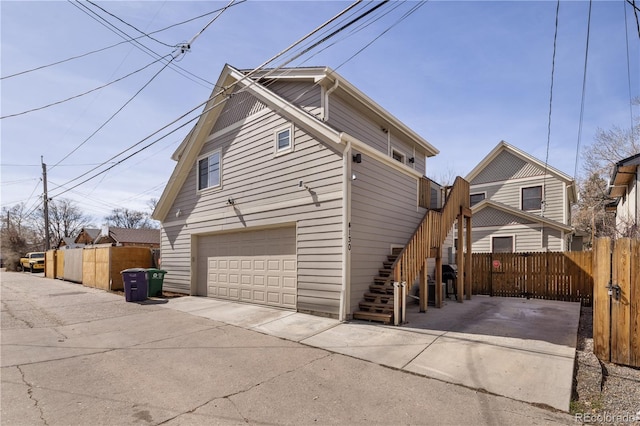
x: 463, y: 75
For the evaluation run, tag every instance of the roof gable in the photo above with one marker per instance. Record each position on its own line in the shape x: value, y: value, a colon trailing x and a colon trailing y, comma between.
x: 524, y: 217
x: 130, y: 236
x: 506, y: 162
x: 624, y: 172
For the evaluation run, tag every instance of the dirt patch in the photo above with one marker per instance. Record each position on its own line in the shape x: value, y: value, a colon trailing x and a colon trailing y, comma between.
x: 603, y: 393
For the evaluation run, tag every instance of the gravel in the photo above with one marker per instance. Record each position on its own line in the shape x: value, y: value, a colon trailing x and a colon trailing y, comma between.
x: 603, y: 393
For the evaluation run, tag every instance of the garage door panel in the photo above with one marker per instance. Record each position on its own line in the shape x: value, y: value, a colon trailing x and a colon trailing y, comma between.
x: 254, y: 266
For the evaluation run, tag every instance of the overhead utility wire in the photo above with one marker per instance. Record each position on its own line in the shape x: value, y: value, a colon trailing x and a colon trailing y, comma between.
x: 635, y: 12
x: 626, y: 37
x: 114, y: 45
x: 206, y: 110
x: 114, y: 114
x: 584, y: 91
x: 402, y: 18
x: 193, y: 39
x: 84, y: 93
x: 129, y: 25
x: 546, y: 158
x: 136, y: 43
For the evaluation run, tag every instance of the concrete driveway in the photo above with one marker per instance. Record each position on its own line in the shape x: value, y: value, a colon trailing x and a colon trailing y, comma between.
x: 518, y: 348
x: 75, y: 355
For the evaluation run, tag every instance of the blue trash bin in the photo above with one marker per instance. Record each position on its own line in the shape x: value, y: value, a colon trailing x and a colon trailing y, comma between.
x: 135, y: 284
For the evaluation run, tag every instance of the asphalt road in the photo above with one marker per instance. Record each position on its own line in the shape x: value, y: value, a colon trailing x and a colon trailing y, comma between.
x: 73, y: 355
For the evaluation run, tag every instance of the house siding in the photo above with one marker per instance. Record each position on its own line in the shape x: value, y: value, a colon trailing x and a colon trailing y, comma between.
x: 265, y: 190
x: 510, y: 193
x: 504, y: 167
x: 240, y: 106
x: 304, y: 95
x: 384, y: 212
x: 528, y: 238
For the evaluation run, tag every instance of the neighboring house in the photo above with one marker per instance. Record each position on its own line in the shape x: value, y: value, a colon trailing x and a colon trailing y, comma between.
x: 624, y: 189
x: 129, y: 237
x: 67, y: 243
x: 519, y: 204
x: 87, y: 236
x: 291, y: 191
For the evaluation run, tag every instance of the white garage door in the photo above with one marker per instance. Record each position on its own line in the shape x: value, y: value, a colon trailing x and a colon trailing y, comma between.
x: 254, y: 266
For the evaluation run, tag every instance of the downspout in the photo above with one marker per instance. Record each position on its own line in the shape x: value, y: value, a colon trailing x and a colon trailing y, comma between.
x: 326, y: 100
x: 346, y: 228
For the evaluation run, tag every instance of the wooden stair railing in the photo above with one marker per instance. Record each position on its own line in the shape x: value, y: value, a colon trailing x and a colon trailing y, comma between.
x: 404, y: 267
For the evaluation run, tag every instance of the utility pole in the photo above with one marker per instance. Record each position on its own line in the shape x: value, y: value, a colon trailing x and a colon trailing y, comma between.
x: 47, y: 243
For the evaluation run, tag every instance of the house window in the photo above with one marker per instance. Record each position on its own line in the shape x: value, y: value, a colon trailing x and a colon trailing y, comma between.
x: 532, y: 198
x: 284, y: 141
x: 397, y: 155
x: 209, y: 171
x: 476, y: 198
x: 502, y: 244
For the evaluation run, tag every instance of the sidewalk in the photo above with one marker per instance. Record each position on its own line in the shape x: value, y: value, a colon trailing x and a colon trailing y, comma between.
x: 518, y: 348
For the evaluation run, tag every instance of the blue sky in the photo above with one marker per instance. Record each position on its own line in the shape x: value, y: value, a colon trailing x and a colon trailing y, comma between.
x: 464, y: 75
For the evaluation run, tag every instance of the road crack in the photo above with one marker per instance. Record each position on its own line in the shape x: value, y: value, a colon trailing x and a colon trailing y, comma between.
x: 32, y: 397
x: 248, y: 389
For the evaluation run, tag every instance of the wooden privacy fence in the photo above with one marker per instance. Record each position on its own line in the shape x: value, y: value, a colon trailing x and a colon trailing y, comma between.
x: 96, y: 266
x: 616, y: 301
x: 563, y: 276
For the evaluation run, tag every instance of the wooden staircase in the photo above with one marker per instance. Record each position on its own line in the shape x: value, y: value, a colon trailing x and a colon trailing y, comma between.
x: 407, y: 263
x: 377, y: 304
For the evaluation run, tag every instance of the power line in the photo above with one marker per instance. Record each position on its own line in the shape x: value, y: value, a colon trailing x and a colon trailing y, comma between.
x: 84, y: 93
x: 116, y: 44
x: 584, y: 90
x: 137, y: 44
x: 129, y: 25
x: 114, y: 114
x: 213, y: 96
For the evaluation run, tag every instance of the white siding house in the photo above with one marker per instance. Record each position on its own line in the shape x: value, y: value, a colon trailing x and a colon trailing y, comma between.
x: 286, y: 193
x: 519, y: 204
x: 624, y: 189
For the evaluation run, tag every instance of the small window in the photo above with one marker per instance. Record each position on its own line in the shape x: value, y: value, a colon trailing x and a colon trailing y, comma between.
x: 532, y: 198
x: 283, y: 140
x: 397, y: 155
x: 476, y: 198
x: 209, y: 171
x: 502, y: 244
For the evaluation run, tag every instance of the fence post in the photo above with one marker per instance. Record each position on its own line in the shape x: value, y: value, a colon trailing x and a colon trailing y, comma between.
x: 601, y: 300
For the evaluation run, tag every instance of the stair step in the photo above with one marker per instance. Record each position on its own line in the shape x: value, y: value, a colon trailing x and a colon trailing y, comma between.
x: 373, y: 316
x: 381, y: 289
x: 378, y: 297
x: 392, y: 257
x: 385, y: 272
x: 387, y: 264
x: 376, y: 307
x: 381, y: 280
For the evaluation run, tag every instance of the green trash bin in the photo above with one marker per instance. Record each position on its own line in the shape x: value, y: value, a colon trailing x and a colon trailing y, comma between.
x: 155, y: 278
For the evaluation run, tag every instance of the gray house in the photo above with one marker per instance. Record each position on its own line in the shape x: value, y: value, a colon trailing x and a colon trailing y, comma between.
x: 291, y: 191
x: 519, y: 203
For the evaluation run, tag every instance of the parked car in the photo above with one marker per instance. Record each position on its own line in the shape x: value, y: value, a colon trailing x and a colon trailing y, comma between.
x: 32, y: 262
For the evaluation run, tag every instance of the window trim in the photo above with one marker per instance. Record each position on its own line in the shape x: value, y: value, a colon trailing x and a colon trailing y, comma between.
x: 400, y: 154
x: 513, y: 241
x: 522, y: 188
x: 280, y: 151
x: 483, y: 193
x: 200, y: 158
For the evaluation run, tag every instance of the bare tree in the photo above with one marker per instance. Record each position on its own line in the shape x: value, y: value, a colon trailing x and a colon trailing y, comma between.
x: 599, y: 158
x: 17, y: 237
x: 125, y: 218
x: 65, y: 220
